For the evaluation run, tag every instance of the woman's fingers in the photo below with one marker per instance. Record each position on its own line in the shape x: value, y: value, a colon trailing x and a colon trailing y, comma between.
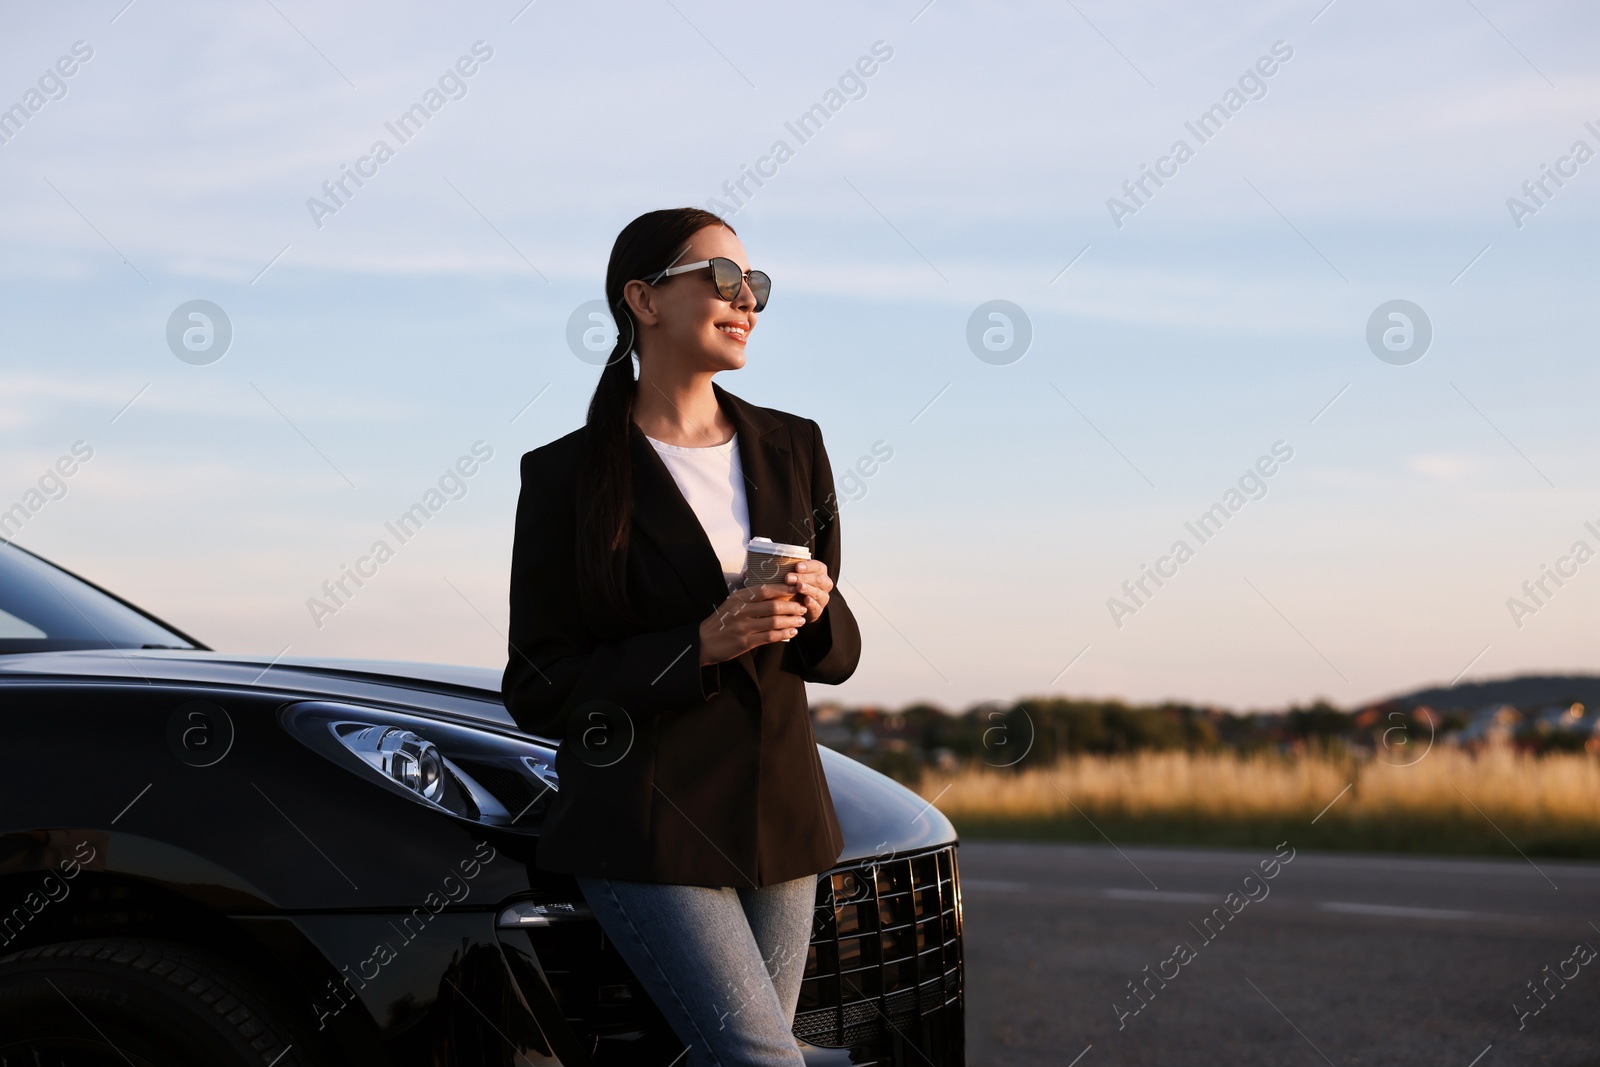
x: 813, y: 589
x: 810, y: 572
x: 763, y: 614
x: 778, y: 621
x: 768, y: 595
x: 752, y: 616
x: 757, y: 594
x: 785, y: 613
x: 774, y: 605
x: 814, y: 592
x: 810, y: 582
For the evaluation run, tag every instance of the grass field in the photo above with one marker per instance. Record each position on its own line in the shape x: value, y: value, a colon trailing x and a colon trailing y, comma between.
x: 1500, y: 802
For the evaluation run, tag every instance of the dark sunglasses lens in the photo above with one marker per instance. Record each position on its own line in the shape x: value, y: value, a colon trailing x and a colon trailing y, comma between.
x: 728, y: 277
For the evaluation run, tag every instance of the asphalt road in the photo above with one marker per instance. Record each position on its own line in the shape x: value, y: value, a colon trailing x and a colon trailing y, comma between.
x: 1342, y: 959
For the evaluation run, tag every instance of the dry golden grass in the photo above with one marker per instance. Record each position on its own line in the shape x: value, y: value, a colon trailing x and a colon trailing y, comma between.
x: 1448, y: 801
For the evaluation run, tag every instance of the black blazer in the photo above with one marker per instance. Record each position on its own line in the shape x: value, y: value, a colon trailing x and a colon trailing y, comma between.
x: 669, y: 771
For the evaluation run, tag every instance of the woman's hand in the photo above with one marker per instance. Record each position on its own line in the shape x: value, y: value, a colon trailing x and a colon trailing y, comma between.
x: 751, y: 617
x: 810, y: 580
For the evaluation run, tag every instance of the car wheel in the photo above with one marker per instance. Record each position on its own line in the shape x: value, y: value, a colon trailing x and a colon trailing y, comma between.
x: 132, y: 1001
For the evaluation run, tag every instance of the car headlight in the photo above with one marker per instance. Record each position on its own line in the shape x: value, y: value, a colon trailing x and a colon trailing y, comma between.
x: 399, y: 754
x: 471, y: 772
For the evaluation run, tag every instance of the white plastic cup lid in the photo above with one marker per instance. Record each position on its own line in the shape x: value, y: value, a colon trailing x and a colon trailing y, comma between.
x: 771, y: 547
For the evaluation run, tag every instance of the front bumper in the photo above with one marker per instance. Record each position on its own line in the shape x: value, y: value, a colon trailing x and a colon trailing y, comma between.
x: 883, y: 981
x: 884, y: 970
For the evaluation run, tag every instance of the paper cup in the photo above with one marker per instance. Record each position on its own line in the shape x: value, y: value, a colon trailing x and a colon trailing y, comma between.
x: 766, y: 562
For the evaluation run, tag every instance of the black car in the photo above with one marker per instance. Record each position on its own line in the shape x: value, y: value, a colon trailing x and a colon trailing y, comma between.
x: 211, y: 859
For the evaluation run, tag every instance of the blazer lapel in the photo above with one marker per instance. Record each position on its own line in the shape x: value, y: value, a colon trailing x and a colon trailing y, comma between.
x: 661, y: 511
x: 768, y: 485
x: 768, y: 472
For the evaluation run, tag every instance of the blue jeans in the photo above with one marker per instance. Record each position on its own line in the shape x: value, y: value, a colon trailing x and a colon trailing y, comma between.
x: 723, y: 965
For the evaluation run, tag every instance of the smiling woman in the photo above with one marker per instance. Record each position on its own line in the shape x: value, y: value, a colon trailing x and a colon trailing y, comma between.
x: 693, y: 808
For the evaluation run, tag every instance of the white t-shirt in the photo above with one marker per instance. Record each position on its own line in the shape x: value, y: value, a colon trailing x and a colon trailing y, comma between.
x: 712, y: 481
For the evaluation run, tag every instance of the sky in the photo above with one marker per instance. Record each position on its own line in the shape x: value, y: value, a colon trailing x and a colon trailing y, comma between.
x: 1163, y: 341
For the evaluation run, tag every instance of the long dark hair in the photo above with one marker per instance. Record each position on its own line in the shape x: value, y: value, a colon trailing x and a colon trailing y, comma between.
x: 649, y: 243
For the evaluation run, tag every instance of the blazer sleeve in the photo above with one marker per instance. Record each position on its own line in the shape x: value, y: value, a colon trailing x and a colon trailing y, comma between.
x: 554, y: 663
x: 829, y: 648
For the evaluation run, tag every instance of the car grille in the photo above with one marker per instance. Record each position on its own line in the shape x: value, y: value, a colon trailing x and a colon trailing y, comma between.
x: 885, y: 958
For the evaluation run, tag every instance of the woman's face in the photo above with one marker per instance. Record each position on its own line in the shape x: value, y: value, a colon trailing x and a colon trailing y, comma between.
x: 699, y: 328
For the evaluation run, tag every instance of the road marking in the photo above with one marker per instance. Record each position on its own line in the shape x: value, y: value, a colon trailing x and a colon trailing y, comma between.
x: 1331, y: 862
x: 1394, y: 911
x: 989, y: 883
x: 1161, y: 896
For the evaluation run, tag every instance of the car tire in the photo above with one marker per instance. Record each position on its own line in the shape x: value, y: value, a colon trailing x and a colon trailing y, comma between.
x: 131, y: 1000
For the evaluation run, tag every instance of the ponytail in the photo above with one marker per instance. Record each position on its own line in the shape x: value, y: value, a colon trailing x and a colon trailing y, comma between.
x: 649, y: 243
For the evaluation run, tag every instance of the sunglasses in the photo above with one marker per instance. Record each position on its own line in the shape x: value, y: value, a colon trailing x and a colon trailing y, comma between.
x: 726, y: 276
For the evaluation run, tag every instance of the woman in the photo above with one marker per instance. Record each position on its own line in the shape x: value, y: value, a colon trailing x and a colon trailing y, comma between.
x: 692, y: 809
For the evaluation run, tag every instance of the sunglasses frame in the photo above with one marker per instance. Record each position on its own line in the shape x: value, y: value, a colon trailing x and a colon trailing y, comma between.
x: 743, y: 276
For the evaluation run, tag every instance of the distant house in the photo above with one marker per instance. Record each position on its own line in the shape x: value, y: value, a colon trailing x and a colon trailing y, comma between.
x: 1490, y: 726
x: 1570, y: 723
x: 1367, y: 718
x: 1395, y: 730
x: 829, y: 727
x: 1562, y: 718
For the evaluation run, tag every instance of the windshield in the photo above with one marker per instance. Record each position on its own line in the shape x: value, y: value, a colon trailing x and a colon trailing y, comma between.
x: 46, y: 609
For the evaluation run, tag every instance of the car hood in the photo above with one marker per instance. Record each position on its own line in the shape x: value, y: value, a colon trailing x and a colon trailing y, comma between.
x: 877, y: 814
x: 467, y: 692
